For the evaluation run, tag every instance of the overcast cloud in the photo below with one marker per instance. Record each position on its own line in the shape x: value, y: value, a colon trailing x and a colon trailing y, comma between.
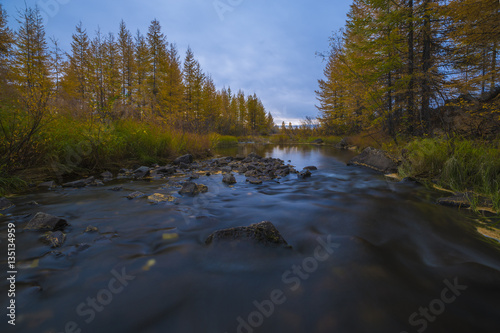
x: 266, y: 47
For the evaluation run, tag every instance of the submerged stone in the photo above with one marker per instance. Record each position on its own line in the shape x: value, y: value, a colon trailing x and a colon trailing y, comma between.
x: 264, y: 233
x: 5, y: 204
x: 54, y: 239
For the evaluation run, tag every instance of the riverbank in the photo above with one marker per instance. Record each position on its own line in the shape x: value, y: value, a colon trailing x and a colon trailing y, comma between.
x: 67, y: 147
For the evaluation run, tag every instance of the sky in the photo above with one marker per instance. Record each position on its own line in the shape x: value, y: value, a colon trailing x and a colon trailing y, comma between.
x: 267, y: 47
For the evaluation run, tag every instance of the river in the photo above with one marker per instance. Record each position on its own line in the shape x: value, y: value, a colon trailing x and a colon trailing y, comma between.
x: 368, y: 255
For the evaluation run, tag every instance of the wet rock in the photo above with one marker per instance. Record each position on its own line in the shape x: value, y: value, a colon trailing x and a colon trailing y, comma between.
x: 49, y: 184
x: 116, y: 188
x: 304, y: 174
x: 166, y: 170
x: 54, y: 239
x: 264, y: 233
x: 134, y: 195
x: 312, y: 168
x: 141, y: 172
x: 229, y: 179
x: 254, y: 181
x: 193, y: 176
x: 192, y: 189
x: 317, y: 141
x: 5, y: 204
x: 107, y: 176
x: 186, y: 159
x: 91, y: 229
x: 343, y: 144
x: 252, y: 173
x: 43, y: 221
x: 158, y: 197
x: 376, y: 159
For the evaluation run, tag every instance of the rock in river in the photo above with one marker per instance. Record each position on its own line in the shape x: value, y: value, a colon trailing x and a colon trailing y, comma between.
x: 264, y: 233
x: 43, y: 221
x: 4, y: 204
x: 229, y: 179
x: 158, y: 197
x: 54, y: 239
x: 304, y: 174
x: 192, y: 189
x: 136, y: 194
x: 376, y: 159
x: 186, y: 159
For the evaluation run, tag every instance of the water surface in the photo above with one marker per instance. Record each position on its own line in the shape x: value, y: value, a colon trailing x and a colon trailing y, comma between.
x: 368, y: 255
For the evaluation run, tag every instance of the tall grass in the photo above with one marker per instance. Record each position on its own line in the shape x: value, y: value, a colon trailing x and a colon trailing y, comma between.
x: 461, y: 165
x: 69, y: 145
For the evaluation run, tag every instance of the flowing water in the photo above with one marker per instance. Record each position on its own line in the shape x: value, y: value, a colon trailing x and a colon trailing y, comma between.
x: 368, y: 255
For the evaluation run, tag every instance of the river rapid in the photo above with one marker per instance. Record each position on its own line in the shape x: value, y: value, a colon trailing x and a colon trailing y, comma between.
x: 368, y: 255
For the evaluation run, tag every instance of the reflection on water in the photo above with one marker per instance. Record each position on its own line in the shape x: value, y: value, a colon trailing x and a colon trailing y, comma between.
x: 368, y: 256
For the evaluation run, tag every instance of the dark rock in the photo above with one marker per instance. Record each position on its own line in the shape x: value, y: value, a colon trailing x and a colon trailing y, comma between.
x: 226, y: 169
x: 252, y: 173
x: 54, y: 239
x: 317, y: 141
x: 49, y: 184
x: 192, y: 189
x: 5, y: 204
x: 186, y: 159
x: 254, y: 181
x: 264, y: 233
x: 166, y: 170
x: 376, y: 159
x: 312, y: 168
x: 116, y: 188
x: 242, y: 169
x: 134, y: 195
x: 42, y: 221
x: 304, y: 174
x: 229, y: 178
x: 184, y: 166
x: 343, y: 144
x: 107, y: 175
x: 141, y: 172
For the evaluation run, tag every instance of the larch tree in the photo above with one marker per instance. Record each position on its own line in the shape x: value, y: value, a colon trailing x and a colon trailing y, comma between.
x: 126, y: 63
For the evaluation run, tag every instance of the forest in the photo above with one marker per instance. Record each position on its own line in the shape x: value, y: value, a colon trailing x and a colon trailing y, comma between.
x: 414, y: 68
x: 109, y: 98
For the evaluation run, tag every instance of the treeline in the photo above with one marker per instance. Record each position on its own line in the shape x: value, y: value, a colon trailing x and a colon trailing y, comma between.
x: 404, y: 65
x: 107, y: 78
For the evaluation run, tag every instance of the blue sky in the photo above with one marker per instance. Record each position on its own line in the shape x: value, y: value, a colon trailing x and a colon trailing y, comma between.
x: 266, y: 47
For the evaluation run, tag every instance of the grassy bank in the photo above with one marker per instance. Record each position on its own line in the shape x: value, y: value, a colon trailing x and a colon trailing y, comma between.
x: 67, y: 146
x: 457, y: 164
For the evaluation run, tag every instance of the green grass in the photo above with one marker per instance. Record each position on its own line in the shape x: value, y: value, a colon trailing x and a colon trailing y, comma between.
x: 223, y: 140
x: 10, y: 184
x: 461, y: 165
